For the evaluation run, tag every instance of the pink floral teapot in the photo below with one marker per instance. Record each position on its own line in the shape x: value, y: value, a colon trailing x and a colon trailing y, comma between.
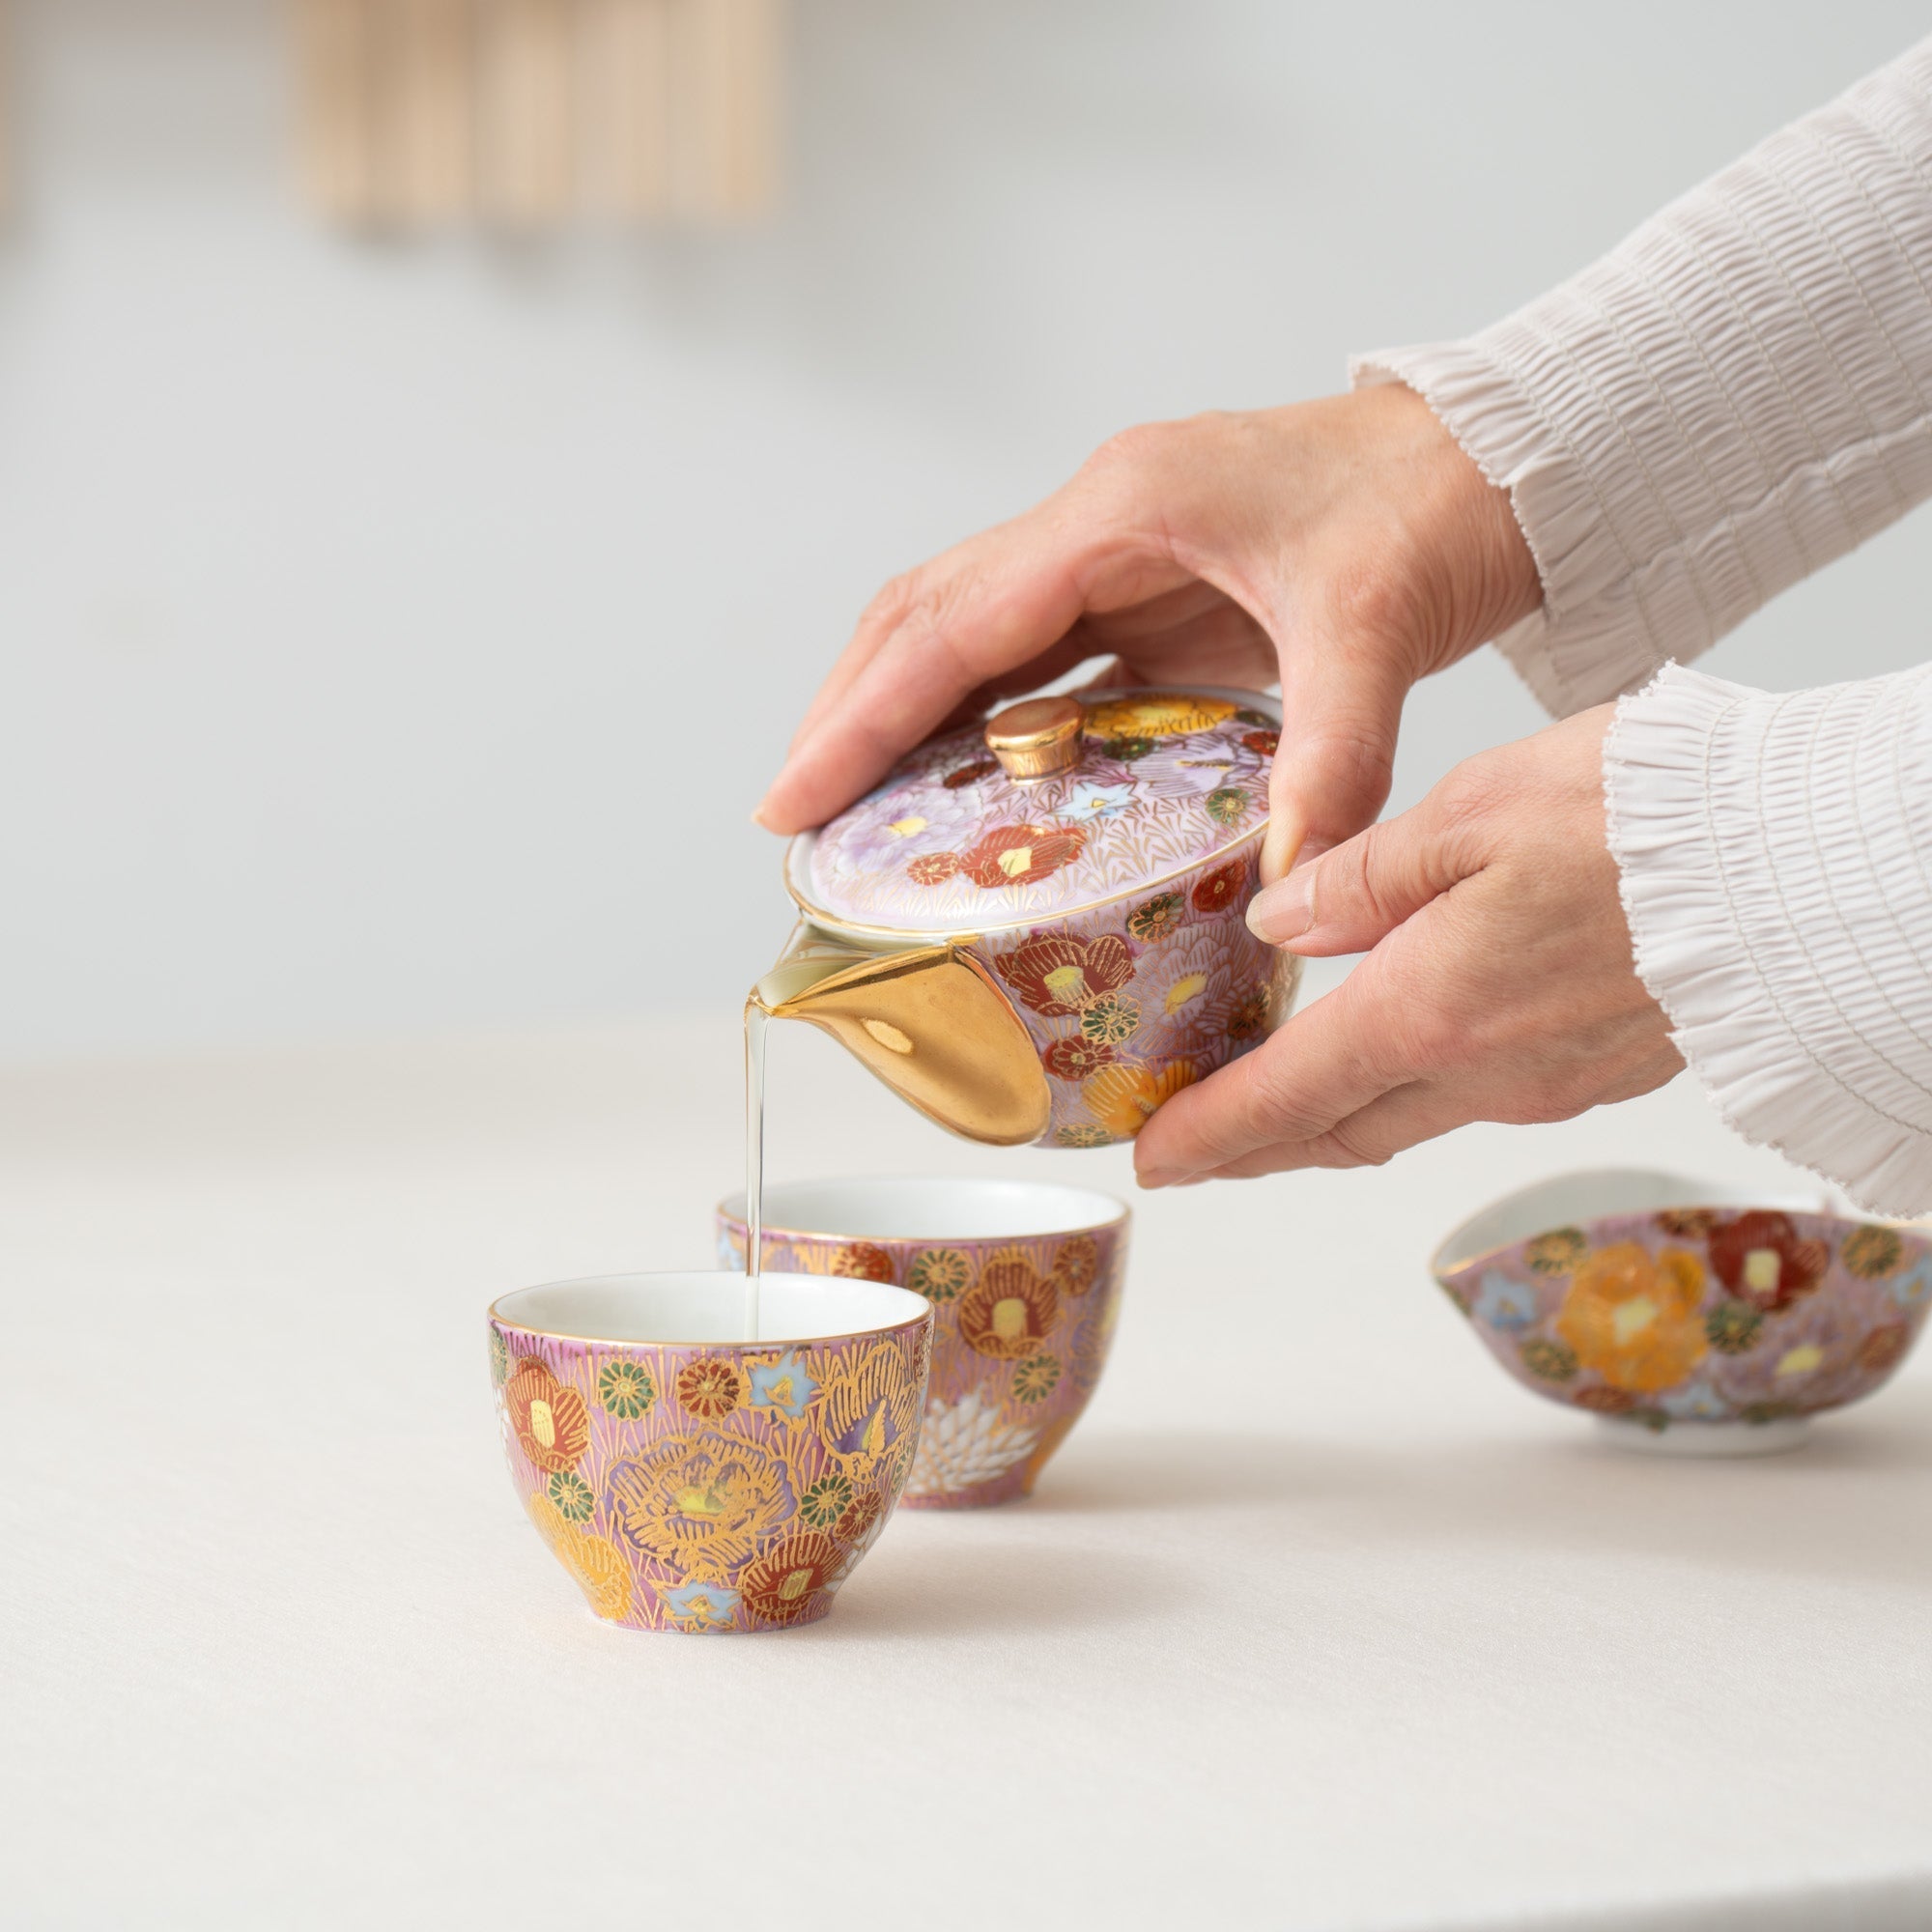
x: 1033, y: 930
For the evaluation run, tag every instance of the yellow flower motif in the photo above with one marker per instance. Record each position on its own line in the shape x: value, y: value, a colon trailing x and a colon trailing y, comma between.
x: 1556, y: 1253
x: 904, y: 828
x: 595, y: 1563
x: 1124, y: 1098
x: 1189, y: 987
x: 1635, y: 1320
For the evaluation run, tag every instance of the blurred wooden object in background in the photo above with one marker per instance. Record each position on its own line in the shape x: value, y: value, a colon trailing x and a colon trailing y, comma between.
x: 415, y: 112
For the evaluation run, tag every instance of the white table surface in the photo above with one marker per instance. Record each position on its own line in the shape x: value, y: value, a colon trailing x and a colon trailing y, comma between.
x: 1317, y: 1620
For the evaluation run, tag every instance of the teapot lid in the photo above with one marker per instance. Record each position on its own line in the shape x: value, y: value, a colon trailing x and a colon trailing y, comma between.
x: 1055, y: 806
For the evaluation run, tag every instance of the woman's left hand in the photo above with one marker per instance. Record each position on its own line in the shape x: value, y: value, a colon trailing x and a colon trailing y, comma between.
x: 1498, y: 984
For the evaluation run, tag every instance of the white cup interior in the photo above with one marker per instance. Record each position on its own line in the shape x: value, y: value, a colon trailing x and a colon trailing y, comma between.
x: 710, y: 1307
x: 931, y: 1209
x: 1570, y: 1198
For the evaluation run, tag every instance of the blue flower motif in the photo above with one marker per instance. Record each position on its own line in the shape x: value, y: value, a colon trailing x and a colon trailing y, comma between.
x: 1695, y: 1402
x: 1914, y: 1289
x: 699, y: 1606
x: 782, y: 1386
x: 1087, y: 801
x: 1504, y: 1303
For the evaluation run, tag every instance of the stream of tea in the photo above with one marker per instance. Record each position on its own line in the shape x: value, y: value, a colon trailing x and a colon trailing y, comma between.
x: 756, y: 1020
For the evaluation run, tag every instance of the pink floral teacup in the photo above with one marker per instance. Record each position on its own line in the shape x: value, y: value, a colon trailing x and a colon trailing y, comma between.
x: 689, y: 1479
x: 1687, y: 1317
x: 1024, y: 1279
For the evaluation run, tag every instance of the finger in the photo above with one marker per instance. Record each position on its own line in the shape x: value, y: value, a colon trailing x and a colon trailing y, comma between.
x: 1341, y: 712
x: 1326, y: 1062
x: 1354, y: 896
x: 1422, y: 1110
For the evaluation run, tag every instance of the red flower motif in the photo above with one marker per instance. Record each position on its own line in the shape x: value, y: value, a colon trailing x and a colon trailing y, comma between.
x: 1605, y: 1401
x: 779, y: 1587
x: 1076, y: 1058
x: 1761, y: 1259
x: 1221, y: 888
x: 711, y: 1387
x: 934, y: 868
x: 1882, y: 1349
x: 1018, y: 855
x: 966, y: 775
x: 862, y: 1260
x: 1057, y: 976
x: 1265, y: 742
x: 551, y: 1419
x: 860, y: 1514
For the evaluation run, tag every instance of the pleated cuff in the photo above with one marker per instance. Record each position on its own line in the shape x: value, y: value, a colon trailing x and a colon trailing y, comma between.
x: 1589, y: 640
x: 1772, y: 855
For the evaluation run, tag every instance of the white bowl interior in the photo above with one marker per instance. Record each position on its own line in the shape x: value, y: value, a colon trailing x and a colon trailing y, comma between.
x: 931, y: 1209
x: 710, y: 1307
x: 1570, y: 1198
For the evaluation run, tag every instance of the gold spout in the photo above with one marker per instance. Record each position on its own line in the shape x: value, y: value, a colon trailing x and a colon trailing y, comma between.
x: 931, y: 1023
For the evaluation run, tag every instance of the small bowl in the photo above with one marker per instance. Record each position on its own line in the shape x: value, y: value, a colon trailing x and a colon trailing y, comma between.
x: 1025, y: 1280
x: 1686, y: 1318
x: 691, y: 1480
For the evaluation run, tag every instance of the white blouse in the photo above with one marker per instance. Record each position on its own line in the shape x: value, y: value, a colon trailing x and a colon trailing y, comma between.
x: 1739, y: 393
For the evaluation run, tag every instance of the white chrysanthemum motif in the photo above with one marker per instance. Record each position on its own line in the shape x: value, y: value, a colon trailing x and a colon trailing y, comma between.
x: 963, y: 1444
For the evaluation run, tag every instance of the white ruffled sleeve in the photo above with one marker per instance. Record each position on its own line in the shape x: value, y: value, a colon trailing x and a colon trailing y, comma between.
x: 1730, y: 399
x: 1777, y: 860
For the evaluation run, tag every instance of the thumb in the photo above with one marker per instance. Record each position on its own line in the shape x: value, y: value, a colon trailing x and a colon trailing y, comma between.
x: 1350, y: 897
x: 1340, y: 714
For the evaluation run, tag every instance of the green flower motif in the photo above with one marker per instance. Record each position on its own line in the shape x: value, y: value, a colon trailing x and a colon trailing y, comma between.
x: 824, y: 1501
x: 1872, y: 1252
x: 1035, y: 1378
x: 1768, y: 1411
x: 940, y: 1274
x: 571, y: 1497
x: 1250, y: 717
x: 499, y: 1359
x: 1227, y: 805
x: 1548, y: 1361
x: 1084, y: 1134
x: 1556, y: 1253
x: 1125, y: 750
x: 626, y: 1389
x: 1157, y: 918
x: 1732, y: 1326
x: 1110, y: 1019
x: 1653, y: 1419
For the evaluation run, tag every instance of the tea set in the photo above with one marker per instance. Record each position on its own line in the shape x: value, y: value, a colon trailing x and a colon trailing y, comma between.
x: 1032, y: 931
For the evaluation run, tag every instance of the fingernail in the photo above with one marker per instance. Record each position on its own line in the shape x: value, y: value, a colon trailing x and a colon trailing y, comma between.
x: 1285, y: 910
x: 758, y: 818
x: 1280, y: 846
x: 1159, y: 1177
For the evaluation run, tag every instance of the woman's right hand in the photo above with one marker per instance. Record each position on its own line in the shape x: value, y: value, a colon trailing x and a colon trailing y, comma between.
x: 1346, y: 547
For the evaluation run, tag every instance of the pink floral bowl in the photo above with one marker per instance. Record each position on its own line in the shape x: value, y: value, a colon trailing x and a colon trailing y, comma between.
x: 1687, y: 1318
x: 1024, y: 1279
x: 694, y: 1482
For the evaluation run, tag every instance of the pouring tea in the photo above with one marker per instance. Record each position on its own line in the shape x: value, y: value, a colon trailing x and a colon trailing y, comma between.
x: 1033, y: 930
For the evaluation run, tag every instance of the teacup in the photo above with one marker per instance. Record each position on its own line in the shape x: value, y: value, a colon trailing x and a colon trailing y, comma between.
x: 1024, y: 1279
x: 691, y: 1481
x: 1687, y: 1316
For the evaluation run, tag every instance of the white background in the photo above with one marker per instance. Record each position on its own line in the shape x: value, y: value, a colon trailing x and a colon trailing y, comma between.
x: 395, y: 638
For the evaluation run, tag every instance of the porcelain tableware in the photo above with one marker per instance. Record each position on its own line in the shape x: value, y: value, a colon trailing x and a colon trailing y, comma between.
x: 695, y: 1482
x: 1025, y: 1282
x: 1033, y: 930
x: 1687, y: 1317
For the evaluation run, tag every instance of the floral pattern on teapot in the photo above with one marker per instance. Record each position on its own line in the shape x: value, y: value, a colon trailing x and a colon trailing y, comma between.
x: 948, y: 842
x: 1130, y: 1003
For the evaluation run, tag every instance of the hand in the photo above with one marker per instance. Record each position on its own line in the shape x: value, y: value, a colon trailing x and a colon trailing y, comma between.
x: 1501, y: 985
x: 1346, y: 547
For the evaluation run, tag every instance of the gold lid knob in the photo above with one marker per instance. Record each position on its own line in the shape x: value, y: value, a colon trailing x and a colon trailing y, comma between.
x: 1037, y: 738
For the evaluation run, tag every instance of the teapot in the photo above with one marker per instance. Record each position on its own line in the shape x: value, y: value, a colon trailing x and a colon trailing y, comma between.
x: 1033, y: 930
